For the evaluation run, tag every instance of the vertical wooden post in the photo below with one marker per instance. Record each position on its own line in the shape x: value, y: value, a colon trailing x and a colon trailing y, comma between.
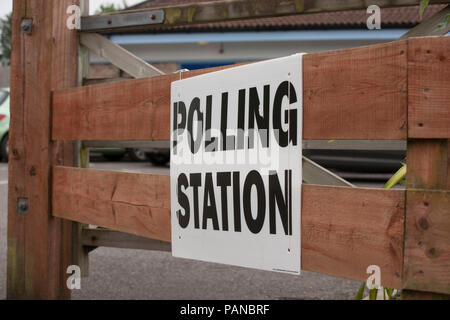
x: 80, y: 253
x: 427, y: 220
x: 43, y: 59
x: 427, y: 223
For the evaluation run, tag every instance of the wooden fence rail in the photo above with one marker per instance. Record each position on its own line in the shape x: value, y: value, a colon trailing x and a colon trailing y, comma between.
x: 365, y: 226
x: 358, y: 93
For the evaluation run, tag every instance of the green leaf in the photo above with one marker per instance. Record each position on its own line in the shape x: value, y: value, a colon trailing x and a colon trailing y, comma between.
x: 396, y: 178
x: 373, y: 294
x: 444, y: 23
x: 389, y: 291
x: 423, y: 5
x: 359, y: 294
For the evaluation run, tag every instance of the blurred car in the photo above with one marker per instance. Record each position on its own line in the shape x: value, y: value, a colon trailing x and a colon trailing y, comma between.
x: 364, y: 161
x: 159, y: 157
x: 361, y: 161
x: 4, y: 124
x: 117, y: 154
x: 137, y: 154
x: 110, y: 154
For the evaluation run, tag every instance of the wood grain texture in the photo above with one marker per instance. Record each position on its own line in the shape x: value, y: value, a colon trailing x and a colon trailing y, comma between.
x: 134, y: 203
x: 428, y: 164
x: 80, y: 253
x: 344, y: 230
x: 427, y: 228
x: 43, y: 60
x: 64, y: 75
x: 127, y: 110
x: 429, y: 87
x: 16, y: 162
x: 430, y: 26
x: 355, y: 93
x: 427, y: 244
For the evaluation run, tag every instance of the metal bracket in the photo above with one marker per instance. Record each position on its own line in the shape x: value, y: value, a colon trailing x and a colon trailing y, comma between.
x: 22, y: 206
x: 134, y: 19
x: 26, y: 26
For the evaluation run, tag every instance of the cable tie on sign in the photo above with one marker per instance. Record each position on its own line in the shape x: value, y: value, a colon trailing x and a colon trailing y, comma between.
x: 181, y: 71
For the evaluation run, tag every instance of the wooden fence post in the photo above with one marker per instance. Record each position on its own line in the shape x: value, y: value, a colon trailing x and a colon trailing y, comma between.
x: 44, y: 53
x: 427, y: 227
x: 80, y: 253
x: 427, y: 220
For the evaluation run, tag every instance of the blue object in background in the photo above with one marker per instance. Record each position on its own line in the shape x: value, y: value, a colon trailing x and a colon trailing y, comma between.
x: 204, y: 65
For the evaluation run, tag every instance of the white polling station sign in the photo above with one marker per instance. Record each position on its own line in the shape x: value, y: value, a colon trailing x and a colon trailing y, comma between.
x: 236, y: 171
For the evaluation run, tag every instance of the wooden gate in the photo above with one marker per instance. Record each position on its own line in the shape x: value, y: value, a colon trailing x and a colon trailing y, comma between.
x: 385, y: 93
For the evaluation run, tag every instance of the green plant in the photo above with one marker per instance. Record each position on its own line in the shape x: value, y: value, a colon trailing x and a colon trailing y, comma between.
x: 422, y: 6
x: 444, y: 23
x: 397, y: 178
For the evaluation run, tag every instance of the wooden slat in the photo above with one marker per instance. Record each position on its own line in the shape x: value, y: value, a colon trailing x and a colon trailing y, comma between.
x: 129, y: 110
x: 357, y: 93
x: 348, y: 94
x: 427, y: 245
x: 133, y: 203
x: 39, y: 246
x: 63, y: 75
x: 314, y: 173
x: 427, y: 226
x: 430, y: 27
x: 16, y: 163
x: 428, y: 164
x: 344, y: 230
x: 226, y: 10
x: 118, y: 56
x: 429, y: 87
x: 80, y: 254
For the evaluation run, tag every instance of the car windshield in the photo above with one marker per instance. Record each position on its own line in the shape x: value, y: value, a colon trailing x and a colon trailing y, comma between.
x: 3, y: 96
